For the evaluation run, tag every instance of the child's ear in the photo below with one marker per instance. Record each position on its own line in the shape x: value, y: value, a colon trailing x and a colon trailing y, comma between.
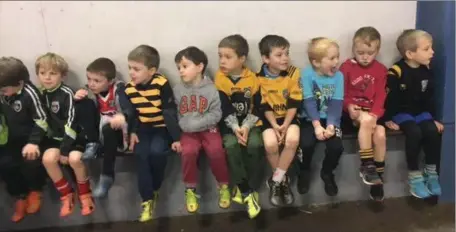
x: 409, y: 55
x: 315, y: 63
x: 200, y: 67
x: 152, y: 71
x: 265, y: 59
x: 243, y: 59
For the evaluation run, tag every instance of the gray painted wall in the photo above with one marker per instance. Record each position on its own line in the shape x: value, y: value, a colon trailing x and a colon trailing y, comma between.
x: 123, y: 202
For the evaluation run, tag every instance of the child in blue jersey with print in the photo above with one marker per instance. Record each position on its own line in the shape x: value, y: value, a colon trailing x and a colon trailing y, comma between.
x: 323, y: 94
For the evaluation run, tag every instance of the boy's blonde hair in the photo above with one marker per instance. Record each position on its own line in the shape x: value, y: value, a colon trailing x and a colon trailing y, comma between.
x: 318, y: 48
x: 407, y: 40
x: 367, y: 35
x: 52, y: 61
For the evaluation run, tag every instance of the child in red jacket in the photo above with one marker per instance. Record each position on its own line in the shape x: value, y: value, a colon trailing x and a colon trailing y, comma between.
x: 365, y: 80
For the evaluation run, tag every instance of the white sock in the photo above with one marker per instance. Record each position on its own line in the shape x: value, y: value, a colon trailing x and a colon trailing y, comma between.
x: 278, y: 175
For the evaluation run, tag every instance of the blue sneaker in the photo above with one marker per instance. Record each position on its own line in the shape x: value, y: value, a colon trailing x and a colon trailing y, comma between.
x: 418, y: 187
x: 90, y: 152
x: 432, y: 183
x: 103, y: 186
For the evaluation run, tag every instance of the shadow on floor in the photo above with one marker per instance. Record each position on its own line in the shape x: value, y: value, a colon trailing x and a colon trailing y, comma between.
x: 395, y: 215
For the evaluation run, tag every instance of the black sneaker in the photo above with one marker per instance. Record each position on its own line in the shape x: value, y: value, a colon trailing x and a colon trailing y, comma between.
x: 274, y: 192
x: 287, y: 194
x: 330, y: 184
x: 376, y: 192
x: 369, y: 175
x: 304, y: 181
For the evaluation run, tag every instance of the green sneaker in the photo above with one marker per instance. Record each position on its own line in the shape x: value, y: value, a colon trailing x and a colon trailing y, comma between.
x: 225, y: 197
x: 237, y: 195
x: 191, y: 200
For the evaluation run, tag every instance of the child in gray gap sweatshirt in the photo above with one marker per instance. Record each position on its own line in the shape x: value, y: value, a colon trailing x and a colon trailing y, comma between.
x: 199, y: 113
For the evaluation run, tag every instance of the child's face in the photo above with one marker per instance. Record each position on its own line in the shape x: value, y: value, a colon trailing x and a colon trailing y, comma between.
x: 97, y: 82
x: 229, y: 61
x: 139, y: 73
x: 278, y: 59
x: 49, y: 78
x: 423, y: 53
x: 328, y: 65
x: 365, y: 53
x: 10, y: 90
x: 189, y: 71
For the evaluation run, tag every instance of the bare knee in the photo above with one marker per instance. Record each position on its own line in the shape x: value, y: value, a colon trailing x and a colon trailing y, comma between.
x: 74, y: 158
x: 292, y: 137
x: 366, y: 123
x: 379, y: 136
x: 51, y: 157
x: 271, y: 145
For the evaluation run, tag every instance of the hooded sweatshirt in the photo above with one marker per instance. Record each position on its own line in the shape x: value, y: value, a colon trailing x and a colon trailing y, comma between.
x: 199, y: 107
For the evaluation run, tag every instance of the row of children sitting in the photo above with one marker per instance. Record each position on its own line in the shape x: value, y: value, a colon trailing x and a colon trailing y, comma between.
x: 235, y: 119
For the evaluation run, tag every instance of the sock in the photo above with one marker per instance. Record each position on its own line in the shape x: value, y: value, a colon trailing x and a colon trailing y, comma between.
x: 278, y: 175
x: 415, y: 174
x: 367, y: 156
x: 63, y: 187
x: 380, y: 168
x: 84, y: 187
x: 244, y: 188
x: 431, y: 169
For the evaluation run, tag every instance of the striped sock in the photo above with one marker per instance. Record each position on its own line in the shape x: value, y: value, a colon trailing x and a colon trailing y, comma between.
x: 431, y: 169
x: 63, y: 187
x: 367, y: 156
x: 415, y: 174
x: 380, y: 168
x: 84, y: 187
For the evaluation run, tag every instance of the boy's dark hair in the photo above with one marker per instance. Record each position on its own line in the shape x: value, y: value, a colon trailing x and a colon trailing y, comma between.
x: 236, y: 42
x: 269, y: 42
x: 193, y: 54
x: 12, y: 72
x: 146, y: 54
x: 104, y: 67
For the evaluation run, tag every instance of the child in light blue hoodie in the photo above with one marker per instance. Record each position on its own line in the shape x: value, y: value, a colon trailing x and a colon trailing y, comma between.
x: 323, y: 93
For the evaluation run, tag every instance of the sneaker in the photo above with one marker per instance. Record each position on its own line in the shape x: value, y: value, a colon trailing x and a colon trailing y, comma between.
x: 103, y: 186
x: 237, y: 195
x: 303, y: 182
x: 376, y: 192
x: 274, y: 192
x: 418, y: 188
x: 87, y: 204
x: 19, y: 210
x: 146, y: 214
x: 253, y: 208
x: 369, y: 175
x: 225, y: 197
x: 33, y: 202
x: 90, y: 152
x: 432, y: 183
x: 67, y: 205
x: 191, y: 200
x: 287, y: 194
x: 330, y: 184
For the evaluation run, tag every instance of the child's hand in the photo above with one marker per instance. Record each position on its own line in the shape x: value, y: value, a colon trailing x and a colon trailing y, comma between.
x: 238, y: 133
x: 439, y: 126
x: 117, y: 121
x: 63, y: 159
x: 133, y: 141
x: 319, y: 133
x: 391, y: 125
x: 353, y: 111
x: 245, y: 135
x: 278, y: 133
x: 31, y: 151
x: 176, y: 146
x: 80, y: 94
x: 329, y: 132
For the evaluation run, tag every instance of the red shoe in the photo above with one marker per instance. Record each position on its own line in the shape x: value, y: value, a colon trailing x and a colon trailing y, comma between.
x: 87, y: 205
x: 19, y: 210
x: 67, y: 205
x: 33, y: 202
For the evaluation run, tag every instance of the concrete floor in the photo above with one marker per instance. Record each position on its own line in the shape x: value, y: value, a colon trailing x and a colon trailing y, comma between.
x: 396, y: 215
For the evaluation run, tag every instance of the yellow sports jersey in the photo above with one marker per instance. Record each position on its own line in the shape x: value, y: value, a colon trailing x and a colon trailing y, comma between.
x: 281, y: 93
x: 240, y: 92
x: 147, y: 100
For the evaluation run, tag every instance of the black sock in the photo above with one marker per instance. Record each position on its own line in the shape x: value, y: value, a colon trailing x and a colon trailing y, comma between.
x: 367, y: 156
x: 380, y: 168
x: 244, y: 187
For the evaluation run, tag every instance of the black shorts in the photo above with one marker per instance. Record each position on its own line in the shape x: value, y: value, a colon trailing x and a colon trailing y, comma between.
x: 266, y: 125
x: 78, y: 145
